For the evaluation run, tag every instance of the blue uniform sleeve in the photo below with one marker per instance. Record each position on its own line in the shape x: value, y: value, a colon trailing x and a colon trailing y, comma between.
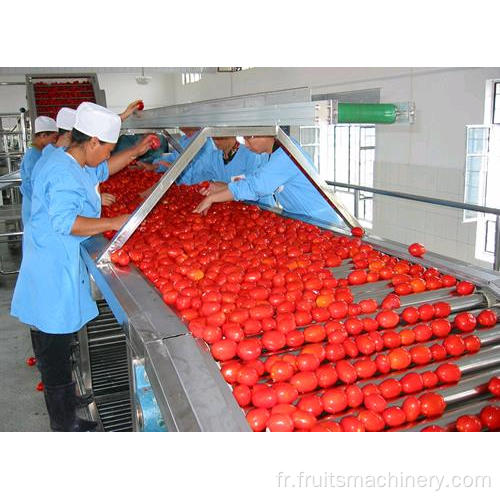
x: 266, y: 179
x: 65, y: 202
x: 102, y: 171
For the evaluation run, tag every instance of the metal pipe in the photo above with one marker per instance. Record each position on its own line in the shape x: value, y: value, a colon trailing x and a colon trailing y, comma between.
x: 414, y: 197
x: 496, y: 263
x: 172, y: 141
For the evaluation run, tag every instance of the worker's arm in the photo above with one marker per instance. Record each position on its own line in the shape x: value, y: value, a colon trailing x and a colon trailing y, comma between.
x: 123, y: 158
x: 87, y: 226
x: 130, y: 109
x: 218, y: 197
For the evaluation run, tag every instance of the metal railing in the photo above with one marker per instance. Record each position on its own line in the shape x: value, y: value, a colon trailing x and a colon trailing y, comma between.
x: 433, y: 201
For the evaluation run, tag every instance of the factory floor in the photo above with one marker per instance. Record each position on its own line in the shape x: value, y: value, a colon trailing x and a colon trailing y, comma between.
x: 22, y: 407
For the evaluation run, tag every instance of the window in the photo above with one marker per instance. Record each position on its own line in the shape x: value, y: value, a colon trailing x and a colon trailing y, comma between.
x: 344, y: 153
x: 190, y: 78
x: 476, y: 167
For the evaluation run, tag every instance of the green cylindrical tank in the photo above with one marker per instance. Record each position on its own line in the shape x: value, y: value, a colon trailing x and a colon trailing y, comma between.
x: 366, y: 113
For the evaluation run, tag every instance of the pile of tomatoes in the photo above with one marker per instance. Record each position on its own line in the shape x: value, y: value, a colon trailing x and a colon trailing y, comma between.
x: 296, y: 348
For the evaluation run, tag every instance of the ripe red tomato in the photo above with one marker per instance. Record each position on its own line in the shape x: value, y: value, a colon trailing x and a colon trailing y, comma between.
x: 465, y: 288
x: 211, y: 334
x: 432, y: 404
x: 387, y: 319
x: 346, y: 372
x: 233, y: 331
x: 280, y: 422
x: 273, y: 340
x: 430, y: 379
x: 357, y: 277
x: 31, y: 361
x: 494, y: 386
x: 426, y: 312
x: 442, y: 309
x: 465, y: 322
x: 304, y: 381
x: 416, y: 249
x: 372, y: 421
x: 399, y: 358
x: 490, y: 417
x: 422, y: 333
x: 307, y: 362
x: 286, y: 393
x: 317, y: 349
x: 314, y: 333
x: 487, y: 318
x: 285, y: 322
x: 334, y: 352
x: 154, y: 141
x: 454, y: 345
x: 468, y: 423
x: 392, y: 301
x: 224, y: 350
x: 326, y: 375
x: 247, y: 376
x: 140, y: 106
x: 383, y: 364
x: 327, y: 426
x: 354, y: 396
x: 411, y: 383
x: 394, y: 416
x: 433, y: 428
x: 257, y: 364
x: 264, y: 398
x: 243, y: 395
x: 390, y: 388
x: 411, y: 407
x: 249, y: 349
x: 338, y: 309
x: 120, y: 257
x: 257, y: 419
x: 438, y: 352
x: 352, y: 424
x: 303, y: 420
x: 365, y: 368
x: 284, y: 409
x: 448, y: 373
x: 440, y: 327
x: 472, y: 343
x: 448, y: 280
x: 334, y: 400
x: 311, y: 404
x: 40, y: 386
x: 357, y: 231
x: 420, y: 355
x: 368, y: 306
x: 261, y: 311
x: 281, y: 371
x: 375, y: 402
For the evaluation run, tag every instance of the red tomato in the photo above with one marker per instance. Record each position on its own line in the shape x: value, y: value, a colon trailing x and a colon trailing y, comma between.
x: 212, y: 334
x: 468, y: 423
x: 304, y: 381
x: 295, y: 338
x: 392, y: 301
x: 442, y: 309
x: 416, y: 249
x: 365, y: 368
x: 430, y: 379
x: 487, y: 318
x: 286, y: 393
x: 280, y: 423
x: 354, y: 326
x: 432, y: 404
x: 370, y: 324
x: 247, y: 376
x: 257, y: 364
x: 354, y: 396
x: 314, y: 333
x: 372, y: 421
x: 326, y: 375
x: 448, y: 373
x: 283, y: 409
x: 326, y: 427
x: 426, y: 312
x: 334, y: 400
x: 494, y: 386
x: 448, y: 280
x: 243, y: 395
x: 465, y: 288
x: 368, y: 306
x: 307, y: 362
x: 375, y: 402
x: 273, y: 340
x: 411, y: 383
x: 472, y: 343
x: 420, y: 355
x: 383, y: 364
x: 281, y: 371
x: 249, y: 349
x: 262, y: 311
x: 338, y: 310
x: 390, y: 388
x: 31, y: 361
x: 233, y: 331
x: 334, y: 352
x: 257, y: 419
x: 285, y: 322
x: 490, y: 417
x: 346, y: 372
x: 154, y: 141
x: 454, y: 345
x: 140, y: 106
x: 40, y: 386
x: 352, y: 424
x: 422, y: 333
x: 264, y: 398
x: 440, y: 327
x: 357, y: 231
x: 387, y: 319
x: 411, y: 407
x: 311, y: 404
x: 465, y: 322
x: 120, y: 257
x: 303, y: 420
x: 438, y: 352
x: 224, y: 350
x: 230, y: 371
x: 317, y: 349
x: 433, y: 428
x: 357, y: 277
x: 399, y: 358
x: 394, y: 416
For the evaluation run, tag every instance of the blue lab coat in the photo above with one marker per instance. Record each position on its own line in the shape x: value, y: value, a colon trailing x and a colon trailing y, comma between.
x: 281, y: 178
x: 31, y: 156
x: 53, y: 289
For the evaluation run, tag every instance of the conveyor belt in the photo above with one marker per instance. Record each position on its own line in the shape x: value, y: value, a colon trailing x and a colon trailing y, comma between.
x: 109, y: 370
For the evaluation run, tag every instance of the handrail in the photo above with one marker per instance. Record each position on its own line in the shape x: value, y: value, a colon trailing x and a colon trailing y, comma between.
x: 434, y: 201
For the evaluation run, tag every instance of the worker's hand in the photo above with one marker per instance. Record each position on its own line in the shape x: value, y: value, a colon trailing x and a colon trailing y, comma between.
x: 146, y: 166
x: 143, y: 146
x: 204, y: 206
x: 107, y: 199
x: 130, y: 109
x: 118, y: 221
x: 146, y: 193
x: 213, y: 187
x: 164, y: 163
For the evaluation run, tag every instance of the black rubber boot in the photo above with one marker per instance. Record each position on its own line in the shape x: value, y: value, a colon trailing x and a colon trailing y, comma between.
x: 84, y: 400
x: 61, y: 406
x: 35, y: 343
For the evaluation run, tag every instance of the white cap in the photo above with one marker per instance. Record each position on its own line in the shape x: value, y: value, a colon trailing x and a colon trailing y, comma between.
x: 45, y: 124
x: 65, y: 119
x: 96, y: 121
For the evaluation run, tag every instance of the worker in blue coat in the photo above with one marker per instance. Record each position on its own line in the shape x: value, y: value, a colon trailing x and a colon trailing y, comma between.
x: 279, y: 177
x: 45, y: 133
x: 53, y: 291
